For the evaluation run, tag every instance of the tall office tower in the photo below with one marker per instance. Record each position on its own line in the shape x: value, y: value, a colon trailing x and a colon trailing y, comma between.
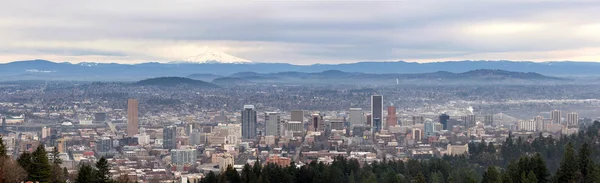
x: 356, y: 117
x: 170, y: 137
x: 376, y: 113
x: 132, y: 117
x: 489, y: 120
x: 272, y: 120
x: 418, y: 120
x: 556, y: 117
x: 469, y: 120
x: 297, y: 115
x: 444, y: 120
x: 316, y: 123
x: 391, y: 119
x: 248, y: 122
x: 573, y: 119
x: 429, y: 128
x: 539, y: 122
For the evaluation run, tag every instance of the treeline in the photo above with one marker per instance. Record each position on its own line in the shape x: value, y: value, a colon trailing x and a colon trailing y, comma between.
x: 572, y: 158
x: 37, y: 167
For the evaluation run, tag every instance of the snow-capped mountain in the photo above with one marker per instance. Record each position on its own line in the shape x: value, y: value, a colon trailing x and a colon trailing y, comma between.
x: 214, y: 57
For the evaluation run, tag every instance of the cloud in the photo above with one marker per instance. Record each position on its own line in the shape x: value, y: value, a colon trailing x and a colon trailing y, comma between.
x: 299, y: 32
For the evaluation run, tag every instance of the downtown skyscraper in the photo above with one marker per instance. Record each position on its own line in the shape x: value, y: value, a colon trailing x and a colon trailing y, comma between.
x: 376, y: 113
x: 248, y: 122
x: 132, y: 117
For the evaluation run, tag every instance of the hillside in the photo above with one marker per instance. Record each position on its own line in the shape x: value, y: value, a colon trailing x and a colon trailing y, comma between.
x: 174, y: 81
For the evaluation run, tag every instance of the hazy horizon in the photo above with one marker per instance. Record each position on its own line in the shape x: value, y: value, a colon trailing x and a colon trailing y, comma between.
x: 300, y: 32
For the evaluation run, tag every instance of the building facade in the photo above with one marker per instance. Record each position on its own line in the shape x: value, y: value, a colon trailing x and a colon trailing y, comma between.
x: 132, y: 117
x: 249, y: 122
x: 376, y: 113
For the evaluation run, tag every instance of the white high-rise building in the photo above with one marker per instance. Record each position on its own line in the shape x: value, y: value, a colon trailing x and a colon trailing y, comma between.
x: 357, y: 117
x: 183, y: 156
x: 573, y: 119
x: 539, y: 122
x: 527, y: 125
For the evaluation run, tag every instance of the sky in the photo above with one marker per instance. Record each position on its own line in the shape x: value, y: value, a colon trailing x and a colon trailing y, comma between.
x: 300, y: 32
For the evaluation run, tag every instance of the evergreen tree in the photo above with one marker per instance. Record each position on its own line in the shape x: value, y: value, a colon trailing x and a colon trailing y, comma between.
x: 539, y: 168
x: 528, y: 178
x: 391, y: 177
x: 86, y: 174
x: 568, y: 165
x: 491, y: 175
x: 246, y: 174
x: 103, y: 174
x: 41, y: 170
x: 420, y: 178
x: 437, y: 177
x: 211, y: 177
x: 3, y: 152
x: 586, y: 165
x: 506, y: 178
x: 25, y: 161
x: 351, y: 177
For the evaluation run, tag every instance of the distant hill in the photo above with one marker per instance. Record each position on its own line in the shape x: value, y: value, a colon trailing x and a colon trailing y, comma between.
x: 231, y: 81
x: 89, y: 71
x: 174, y: 81
x: 336, y: 76
x: 204, y: 77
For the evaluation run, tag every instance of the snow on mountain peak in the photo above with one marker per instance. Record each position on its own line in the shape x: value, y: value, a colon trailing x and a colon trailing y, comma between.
x: 215, y: 57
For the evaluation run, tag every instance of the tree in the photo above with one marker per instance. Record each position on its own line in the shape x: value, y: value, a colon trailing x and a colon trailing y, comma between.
x: 391, y: 177
x: 539, y: 168
x: 506, y: 178
x: 2, y: 148
x: 103, y: 174
x: 586, y: 165
x: 351, y: 177
x: 491, y: 175
x: 210, y: 178
x: 528, y: 178
x: 41, y: 170
x: 247, y: 175
x: 568, y: 165
x: 10, y: 171
x: 420, y: 178
x: 86, y: 174
x: 57, y: 175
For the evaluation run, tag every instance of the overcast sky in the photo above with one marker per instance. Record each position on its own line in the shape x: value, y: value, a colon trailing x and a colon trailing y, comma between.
x: 300, y: 32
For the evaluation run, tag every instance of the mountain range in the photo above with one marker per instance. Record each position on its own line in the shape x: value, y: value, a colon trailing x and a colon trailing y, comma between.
x: 47, y: 70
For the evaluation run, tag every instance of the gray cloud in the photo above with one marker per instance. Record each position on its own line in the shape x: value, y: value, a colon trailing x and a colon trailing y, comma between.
x: 301, y: 31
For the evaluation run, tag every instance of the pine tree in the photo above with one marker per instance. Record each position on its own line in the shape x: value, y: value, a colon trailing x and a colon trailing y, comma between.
x: 505, y: 178
x: 210, y: 178
x: 86, y: 174
x: 351, y: 177
x: 103, y: 172
x: 491, y: 175
x: 568, y: 165
x: 420, y: 178
x: 528, y: 178
x: 3, y: 152
x: 539, y: 168
x: 586, y: 165
x: 41, y: 170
